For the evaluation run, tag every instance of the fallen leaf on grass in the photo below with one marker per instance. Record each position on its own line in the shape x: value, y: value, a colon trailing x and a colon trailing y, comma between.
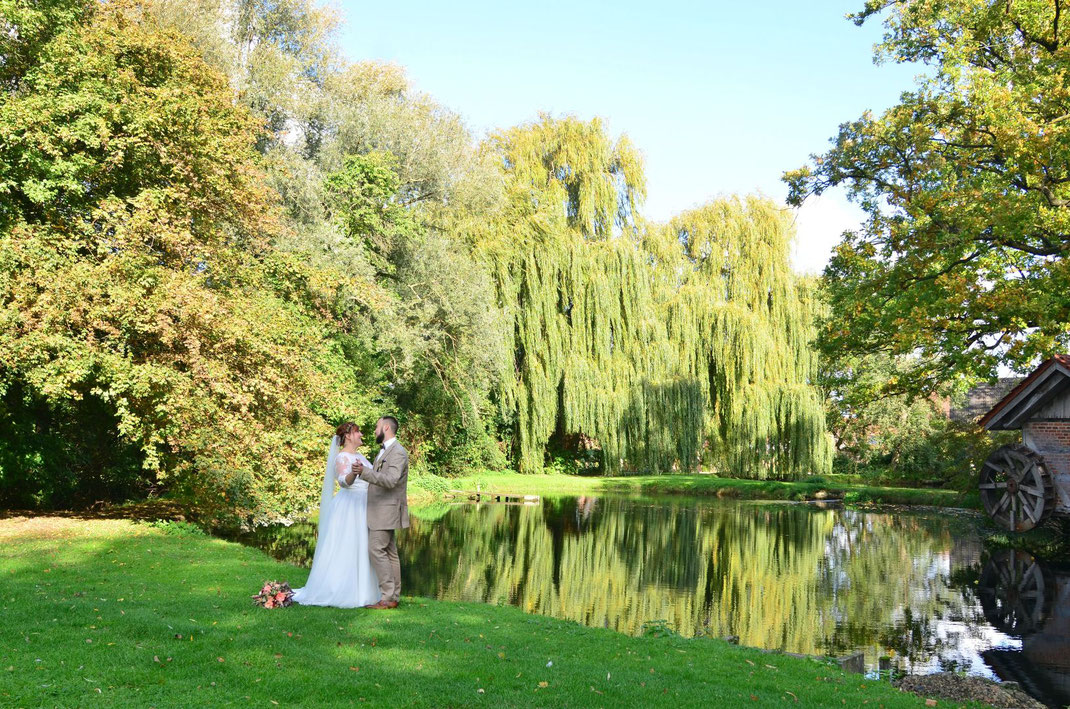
x: 355, y: 669
x: 544, y: 684
x: 792, y: 695
x: 930, y: 702
x: 596, y: 691
x: 748, y: 662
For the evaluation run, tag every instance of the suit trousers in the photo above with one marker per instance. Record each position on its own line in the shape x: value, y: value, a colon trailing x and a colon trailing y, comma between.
x: 383, y: 550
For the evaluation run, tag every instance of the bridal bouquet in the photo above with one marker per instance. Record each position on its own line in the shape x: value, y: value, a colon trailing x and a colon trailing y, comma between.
x: 274, y: 595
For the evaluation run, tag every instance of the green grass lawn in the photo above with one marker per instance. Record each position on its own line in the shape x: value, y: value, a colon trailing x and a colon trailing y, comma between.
x: 118, y: 613
x: 695, y: 485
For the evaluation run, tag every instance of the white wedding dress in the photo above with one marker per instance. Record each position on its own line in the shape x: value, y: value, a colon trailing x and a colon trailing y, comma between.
x: 342, y: 574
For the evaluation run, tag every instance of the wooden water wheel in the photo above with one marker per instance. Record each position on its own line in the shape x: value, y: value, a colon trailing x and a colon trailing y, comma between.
x: 1016, y: 488
x: 1015, y: 592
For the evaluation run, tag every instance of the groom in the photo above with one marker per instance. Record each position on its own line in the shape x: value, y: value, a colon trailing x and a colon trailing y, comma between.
x: 388, y: 509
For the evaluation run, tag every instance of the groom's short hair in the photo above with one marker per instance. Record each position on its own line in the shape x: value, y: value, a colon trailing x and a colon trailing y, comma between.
x: 393, y: 422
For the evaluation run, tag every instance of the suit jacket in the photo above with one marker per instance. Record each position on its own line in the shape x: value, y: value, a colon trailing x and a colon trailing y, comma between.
x: 388, y: 500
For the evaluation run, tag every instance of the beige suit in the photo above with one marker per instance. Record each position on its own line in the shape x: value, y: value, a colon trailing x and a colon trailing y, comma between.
x: 388, y: 510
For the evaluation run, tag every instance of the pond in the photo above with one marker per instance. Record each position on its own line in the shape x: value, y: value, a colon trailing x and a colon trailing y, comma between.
x: 913, y: 591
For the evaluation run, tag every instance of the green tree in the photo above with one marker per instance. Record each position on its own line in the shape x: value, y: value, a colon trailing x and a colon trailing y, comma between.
x: 277, y: 54
x: 575, y: 289
x: 387, y: 204
x: 741, y: 325
x: 897, y: 438
x: 136, y: 272
x: 437, y: 330
x: 650, y: 342
x: 966, y: 183
x: 25, y: 29
x: 416, y: 313
x: 438, y: 163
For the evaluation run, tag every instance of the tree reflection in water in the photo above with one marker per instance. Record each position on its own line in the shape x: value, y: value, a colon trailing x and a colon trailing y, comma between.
x: 780, y: 576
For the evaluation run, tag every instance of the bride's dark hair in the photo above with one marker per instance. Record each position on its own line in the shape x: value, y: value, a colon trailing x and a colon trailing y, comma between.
x: 344, y: 430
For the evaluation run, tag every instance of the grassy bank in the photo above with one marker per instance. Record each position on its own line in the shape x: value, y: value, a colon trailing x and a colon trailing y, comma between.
x: 113, y: 613
x: 426, y: 489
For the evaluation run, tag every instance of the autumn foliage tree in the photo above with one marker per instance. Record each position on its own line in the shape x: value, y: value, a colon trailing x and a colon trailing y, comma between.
x: 961, y: 263
x: 136, y: 272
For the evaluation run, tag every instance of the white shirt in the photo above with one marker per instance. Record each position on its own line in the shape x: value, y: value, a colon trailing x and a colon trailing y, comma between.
x: 386, y: 444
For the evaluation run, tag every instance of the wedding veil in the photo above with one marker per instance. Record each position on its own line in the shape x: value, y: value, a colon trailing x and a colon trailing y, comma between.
x: 328, y: 490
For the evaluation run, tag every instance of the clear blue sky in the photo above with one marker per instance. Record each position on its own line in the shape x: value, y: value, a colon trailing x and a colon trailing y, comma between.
x: 720, y: 97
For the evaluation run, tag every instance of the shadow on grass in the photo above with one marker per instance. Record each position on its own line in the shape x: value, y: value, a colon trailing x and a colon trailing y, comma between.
x: 145, y: 510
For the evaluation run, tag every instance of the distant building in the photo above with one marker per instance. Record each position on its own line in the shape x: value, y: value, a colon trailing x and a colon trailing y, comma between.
x: 980, y: 399
x: 1040, y: 407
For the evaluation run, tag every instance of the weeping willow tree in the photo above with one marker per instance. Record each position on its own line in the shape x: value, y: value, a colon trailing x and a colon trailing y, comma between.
x: 652, y: 341
x: 741, y: 324
x: 586, y: 334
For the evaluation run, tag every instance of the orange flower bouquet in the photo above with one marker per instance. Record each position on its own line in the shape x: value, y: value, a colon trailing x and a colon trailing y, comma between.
x: 274, y: 595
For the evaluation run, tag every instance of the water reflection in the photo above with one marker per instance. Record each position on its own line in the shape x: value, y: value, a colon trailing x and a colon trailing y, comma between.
x: 777, y: 576
x: 1022, y: 596
x: 913, y: 587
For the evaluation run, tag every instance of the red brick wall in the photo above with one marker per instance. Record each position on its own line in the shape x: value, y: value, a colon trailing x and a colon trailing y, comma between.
x: 1052, y: 440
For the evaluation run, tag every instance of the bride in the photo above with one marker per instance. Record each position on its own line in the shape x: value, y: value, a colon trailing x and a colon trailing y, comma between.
x: 342, y: 574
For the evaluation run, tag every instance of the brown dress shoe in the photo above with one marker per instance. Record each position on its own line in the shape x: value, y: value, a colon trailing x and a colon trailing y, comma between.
x: 382, y: 605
